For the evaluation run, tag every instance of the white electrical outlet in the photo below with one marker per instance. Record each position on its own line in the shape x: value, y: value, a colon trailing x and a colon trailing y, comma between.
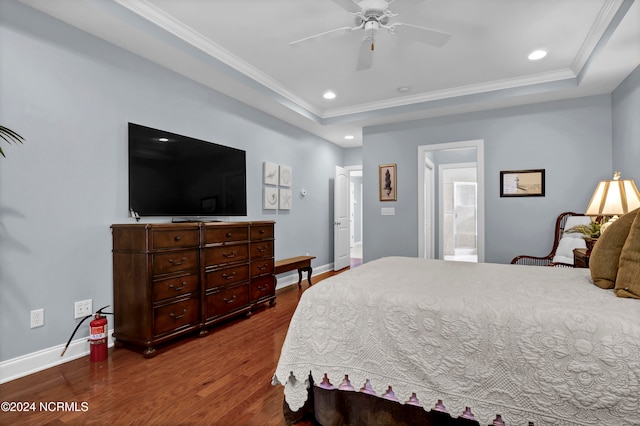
x: 82, y: 308
x: 37, y: 318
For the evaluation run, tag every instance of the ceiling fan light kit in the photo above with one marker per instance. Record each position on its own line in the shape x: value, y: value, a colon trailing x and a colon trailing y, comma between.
x: 373, y: 15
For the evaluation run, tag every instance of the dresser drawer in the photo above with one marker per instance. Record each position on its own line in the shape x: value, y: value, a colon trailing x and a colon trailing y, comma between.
x: 164, y: 263
x: 175, y: 316
x: 217, y: 235
x: 262, y: 249
x: 227, y: 276
x: 263, y: 287
x: 261, y: 267
x: 261, y: 232
x: 228, y: 300
x: 174, y: 238
x: 173, y: 287
x: 231, y: 253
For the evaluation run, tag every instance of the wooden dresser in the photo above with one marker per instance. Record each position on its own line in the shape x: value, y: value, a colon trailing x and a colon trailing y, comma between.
x: 170, y: 279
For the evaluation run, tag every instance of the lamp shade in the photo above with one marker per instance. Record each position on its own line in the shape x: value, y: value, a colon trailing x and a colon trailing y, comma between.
x: 614, y: 197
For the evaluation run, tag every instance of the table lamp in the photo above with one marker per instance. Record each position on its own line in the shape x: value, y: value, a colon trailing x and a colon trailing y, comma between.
x: 612, y: 198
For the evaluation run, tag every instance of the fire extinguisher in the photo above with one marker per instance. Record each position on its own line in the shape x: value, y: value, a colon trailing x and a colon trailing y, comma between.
x: 98, y: 329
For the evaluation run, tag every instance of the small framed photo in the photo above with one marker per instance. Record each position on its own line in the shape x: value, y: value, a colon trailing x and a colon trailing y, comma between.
x: 522, y: 183
x: 388, y: 185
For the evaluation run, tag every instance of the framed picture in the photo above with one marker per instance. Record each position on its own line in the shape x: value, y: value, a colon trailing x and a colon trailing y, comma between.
x: 285, y: 176
x: 388, y: 184
x: 285, y: 199
x: 270, y: 201
x: 270, y: 173
x: 522, y: 183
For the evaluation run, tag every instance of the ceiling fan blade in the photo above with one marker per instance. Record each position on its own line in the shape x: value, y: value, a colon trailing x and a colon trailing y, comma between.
x: 330, y: 33
x: 365, y: 56
x: 422, y: 34
x: 348, y: 5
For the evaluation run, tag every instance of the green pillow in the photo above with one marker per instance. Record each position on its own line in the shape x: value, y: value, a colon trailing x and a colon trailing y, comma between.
x: 628, y: 278
x: 605, y: 256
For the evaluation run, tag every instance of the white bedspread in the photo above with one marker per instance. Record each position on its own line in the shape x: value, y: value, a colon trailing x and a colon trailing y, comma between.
x: 530, y: 343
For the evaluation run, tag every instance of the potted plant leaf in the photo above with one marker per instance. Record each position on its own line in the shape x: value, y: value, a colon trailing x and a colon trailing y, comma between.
x: 10, y: 137
x: 590, y: 233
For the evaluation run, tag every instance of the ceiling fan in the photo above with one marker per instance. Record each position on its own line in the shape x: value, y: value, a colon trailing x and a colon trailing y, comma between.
x: 370, y: 16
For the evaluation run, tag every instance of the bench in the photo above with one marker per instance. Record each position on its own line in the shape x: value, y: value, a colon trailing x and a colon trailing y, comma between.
x: 301, y: 263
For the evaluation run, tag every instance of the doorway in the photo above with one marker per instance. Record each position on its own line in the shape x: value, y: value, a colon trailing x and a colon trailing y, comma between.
x: 431, y: 220
x: 457, y: 191
x: 355, y: 204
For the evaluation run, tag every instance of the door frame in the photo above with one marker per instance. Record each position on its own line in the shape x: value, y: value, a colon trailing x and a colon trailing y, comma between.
x: 478, y: 144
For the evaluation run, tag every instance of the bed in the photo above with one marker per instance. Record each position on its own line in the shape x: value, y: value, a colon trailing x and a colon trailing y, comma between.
x: 490, y: 342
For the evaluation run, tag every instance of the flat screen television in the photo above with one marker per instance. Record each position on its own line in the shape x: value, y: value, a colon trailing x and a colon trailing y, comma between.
x: 183, y: 177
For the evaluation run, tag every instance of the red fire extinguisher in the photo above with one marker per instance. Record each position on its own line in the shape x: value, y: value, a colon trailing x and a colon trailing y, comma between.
x: 98, y: 329
x: 98, y: 337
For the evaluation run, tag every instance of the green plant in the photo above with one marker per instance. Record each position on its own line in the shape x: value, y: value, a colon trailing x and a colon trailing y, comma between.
x: 592, y: 230
x: 10, y: 137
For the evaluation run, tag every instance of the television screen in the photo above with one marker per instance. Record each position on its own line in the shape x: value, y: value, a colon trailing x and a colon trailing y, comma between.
x: 174, y: 175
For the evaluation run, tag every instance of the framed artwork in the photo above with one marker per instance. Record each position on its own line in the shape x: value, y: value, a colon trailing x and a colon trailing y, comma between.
x: 522, y: 183
x: 270, y: 201
x: 270, y: 173
x: 285, y: 199
x: 388, y: 185
x: 285, y: 176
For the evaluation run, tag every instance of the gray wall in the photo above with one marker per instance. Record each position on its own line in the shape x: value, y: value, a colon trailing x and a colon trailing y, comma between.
x: 570, y: 139
x: 626, y: 127
x: 71, y: 95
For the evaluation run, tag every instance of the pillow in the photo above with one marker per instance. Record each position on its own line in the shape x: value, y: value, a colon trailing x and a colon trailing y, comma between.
x: 605, y: 256
x: 628, y: 278
x: 570, y: 240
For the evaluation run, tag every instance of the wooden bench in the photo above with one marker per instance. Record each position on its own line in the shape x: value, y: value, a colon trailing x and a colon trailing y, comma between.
x: 301, y: 263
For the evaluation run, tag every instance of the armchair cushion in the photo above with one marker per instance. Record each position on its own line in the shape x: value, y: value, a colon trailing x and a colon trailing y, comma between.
x: 570, y: 240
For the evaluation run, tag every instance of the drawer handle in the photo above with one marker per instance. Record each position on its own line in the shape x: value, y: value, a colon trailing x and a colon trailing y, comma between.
x: 228, y: 234
x: 229, y: 255
x: 174, y: 263
x: 262, y: 249
x: 263, y: 288
x: 263, y: 267
x: 177, y: 238
x: 184, y: 284
x: 233, y: 299
x: 262, y: 231
x: 229, y: 277
x: 174, y: 316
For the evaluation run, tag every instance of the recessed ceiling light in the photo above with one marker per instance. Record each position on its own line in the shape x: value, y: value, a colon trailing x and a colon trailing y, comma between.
x: 348, y: 137
x: 403, y: 89
x: 537, y: 54
x: 163, y: 140
x: 329, y: 95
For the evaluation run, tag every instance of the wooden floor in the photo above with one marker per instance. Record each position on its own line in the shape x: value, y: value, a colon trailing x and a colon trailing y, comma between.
x: 223, y: 378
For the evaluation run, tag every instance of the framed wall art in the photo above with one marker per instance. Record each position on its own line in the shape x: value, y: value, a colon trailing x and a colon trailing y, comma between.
x: 285, y: 176
x: 270, y: 201
x: 270, y: 173
x: 522, y: 183
x: 388, y: 185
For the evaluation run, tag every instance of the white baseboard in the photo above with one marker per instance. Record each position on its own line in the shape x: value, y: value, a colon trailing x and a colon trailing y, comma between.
x: 46, y: 358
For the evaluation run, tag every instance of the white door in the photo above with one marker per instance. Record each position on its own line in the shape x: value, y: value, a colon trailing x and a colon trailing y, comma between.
x: 341, y: 219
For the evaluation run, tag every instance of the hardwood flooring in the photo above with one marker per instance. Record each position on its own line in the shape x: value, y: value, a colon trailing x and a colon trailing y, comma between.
x: 223, y: 378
